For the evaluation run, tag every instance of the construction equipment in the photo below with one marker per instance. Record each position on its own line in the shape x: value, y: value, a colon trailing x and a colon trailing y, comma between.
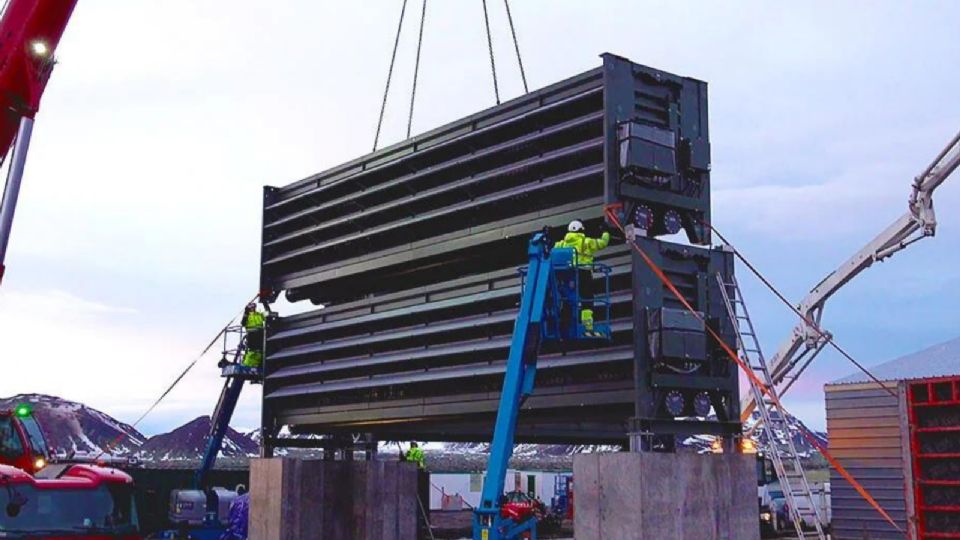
x: 561, y: 504
x: 31, y: 31
x: 769, y: 524
x: 549, y: 311
x: 784, y: 457
x: 47, y: 500
x: 236, y: 375
x: 411, y: 329
x: 70, y: 500
x: 919, y: 221
x: 22, y: 444
x: 203, y: 510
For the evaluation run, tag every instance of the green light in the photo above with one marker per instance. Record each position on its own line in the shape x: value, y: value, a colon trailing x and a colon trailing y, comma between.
x: 22, y: 410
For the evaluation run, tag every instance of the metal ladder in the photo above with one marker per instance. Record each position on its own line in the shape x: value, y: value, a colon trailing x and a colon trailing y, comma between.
x: 785, y: 460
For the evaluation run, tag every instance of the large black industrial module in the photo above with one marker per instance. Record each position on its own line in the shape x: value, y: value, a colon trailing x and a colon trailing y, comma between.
x: 412, y: 251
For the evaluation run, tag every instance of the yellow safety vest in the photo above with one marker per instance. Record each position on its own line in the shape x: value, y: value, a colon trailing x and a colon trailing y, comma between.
x: 416, y: 455
x: 254, y: 320
x: 585, y: 246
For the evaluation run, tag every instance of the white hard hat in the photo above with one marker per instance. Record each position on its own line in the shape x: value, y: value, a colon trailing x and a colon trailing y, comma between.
x: 575, y: 226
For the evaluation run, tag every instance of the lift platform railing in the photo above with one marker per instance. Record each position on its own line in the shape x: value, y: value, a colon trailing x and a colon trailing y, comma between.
x: 235, y: 342
x: 565, y: 301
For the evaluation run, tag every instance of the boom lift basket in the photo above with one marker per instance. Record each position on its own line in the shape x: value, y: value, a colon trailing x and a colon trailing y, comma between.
x: 234, y: 345
x: 564, y: 302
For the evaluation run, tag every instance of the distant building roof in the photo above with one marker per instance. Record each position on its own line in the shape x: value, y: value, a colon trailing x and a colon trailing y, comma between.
x: 941, y: 360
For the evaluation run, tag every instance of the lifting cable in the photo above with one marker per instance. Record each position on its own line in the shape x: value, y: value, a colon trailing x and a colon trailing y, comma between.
x: 516, y: 46
x: 106, y: 449
x: 493, y: 63
x: 610, y: 213
x: 386, y: 90
x: 816, y: 328
x: 416, y: 68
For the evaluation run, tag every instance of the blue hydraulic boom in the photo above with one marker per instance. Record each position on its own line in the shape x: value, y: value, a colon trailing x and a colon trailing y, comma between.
x: 202, y: 511
x: 236, y: 375
x: 550, y: 307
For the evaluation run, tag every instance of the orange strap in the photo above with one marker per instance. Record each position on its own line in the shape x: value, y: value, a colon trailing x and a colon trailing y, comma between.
x: 610, y: 212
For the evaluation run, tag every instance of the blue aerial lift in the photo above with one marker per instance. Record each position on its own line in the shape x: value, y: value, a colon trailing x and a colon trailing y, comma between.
x: 201, y: 512
x: 236, y: 375
x: 549, y: 311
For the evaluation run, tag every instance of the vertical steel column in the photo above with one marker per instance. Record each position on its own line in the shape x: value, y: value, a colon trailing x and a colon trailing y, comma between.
x: 268, y: 428
x: 11, y: 191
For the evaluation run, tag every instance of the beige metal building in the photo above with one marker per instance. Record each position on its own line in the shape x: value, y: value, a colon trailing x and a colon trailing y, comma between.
x: 904, y: 449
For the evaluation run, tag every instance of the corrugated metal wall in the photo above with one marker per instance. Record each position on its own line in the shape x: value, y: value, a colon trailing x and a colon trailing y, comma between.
x: 866, y: 427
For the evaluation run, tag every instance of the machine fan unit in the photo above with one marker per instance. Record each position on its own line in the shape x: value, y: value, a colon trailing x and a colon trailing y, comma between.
x: 647, y: 154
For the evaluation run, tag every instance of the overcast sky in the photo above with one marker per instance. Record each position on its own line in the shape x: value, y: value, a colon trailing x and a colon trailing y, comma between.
x: 137, y: 233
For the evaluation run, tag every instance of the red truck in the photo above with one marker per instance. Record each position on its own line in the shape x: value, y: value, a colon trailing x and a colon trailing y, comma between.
x: 40, y: 500
x: 68, y: 501
x: 21, y: 442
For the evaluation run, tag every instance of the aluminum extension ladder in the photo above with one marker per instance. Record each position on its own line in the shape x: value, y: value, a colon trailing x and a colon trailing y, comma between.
x: 786, y: 462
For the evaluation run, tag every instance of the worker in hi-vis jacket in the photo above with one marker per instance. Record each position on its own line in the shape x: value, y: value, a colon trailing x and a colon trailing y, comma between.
x: 416, y: 455
x: 253, y: 322
x: 585, y: 248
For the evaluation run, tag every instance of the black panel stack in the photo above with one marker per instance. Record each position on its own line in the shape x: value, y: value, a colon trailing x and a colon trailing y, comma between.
x: 413, y: 252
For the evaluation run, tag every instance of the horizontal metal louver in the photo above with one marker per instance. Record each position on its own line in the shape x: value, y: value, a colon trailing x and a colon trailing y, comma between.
x: 413, y: 252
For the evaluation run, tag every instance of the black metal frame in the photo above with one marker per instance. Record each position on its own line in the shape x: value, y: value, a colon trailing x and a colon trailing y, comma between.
x: 413, y: 250
x: 660, y: 345
x: 662, y: 105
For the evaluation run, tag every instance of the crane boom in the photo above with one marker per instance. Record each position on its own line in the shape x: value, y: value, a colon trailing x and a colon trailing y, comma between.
x: 919, y: 221
x: 30, y: 31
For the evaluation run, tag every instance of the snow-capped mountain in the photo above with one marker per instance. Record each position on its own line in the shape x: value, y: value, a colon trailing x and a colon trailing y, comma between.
x: 527, y: 450
x: 71, y: 427
x: 552, y: 453
x: 75, y: 430
x: 795, y: 432
x: 188, y: 442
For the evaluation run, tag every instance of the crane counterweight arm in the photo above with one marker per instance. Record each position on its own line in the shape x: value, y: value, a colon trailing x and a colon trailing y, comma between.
x: 808, y: 337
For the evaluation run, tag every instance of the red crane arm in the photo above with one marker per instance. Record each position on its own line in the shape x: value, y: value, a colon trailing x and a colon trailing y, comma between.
x: 30, y: 31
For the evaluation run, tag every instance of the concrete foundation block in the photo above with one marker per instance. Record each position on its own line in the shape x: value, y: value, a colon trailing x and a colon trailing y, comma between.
x: 297, y: 499
x: 652, y: 496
